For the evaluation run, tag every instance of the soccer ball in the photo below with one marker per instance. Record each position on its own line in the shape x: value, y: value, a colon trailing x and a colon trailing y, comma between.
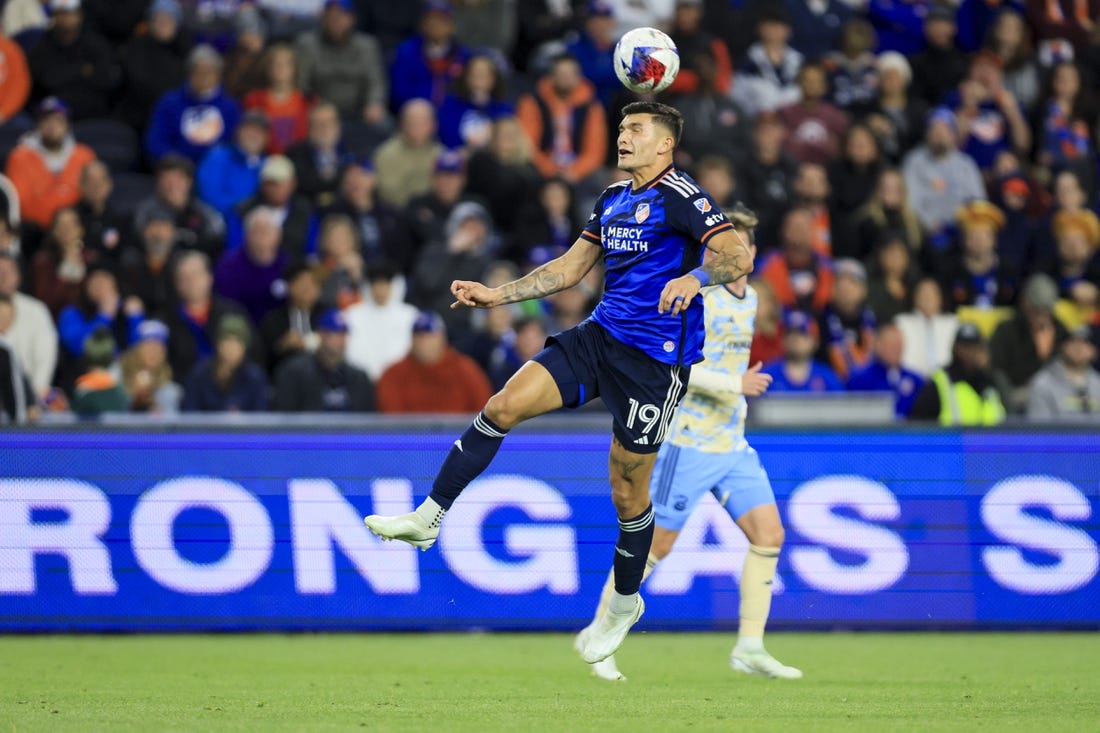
x: 646, y: 60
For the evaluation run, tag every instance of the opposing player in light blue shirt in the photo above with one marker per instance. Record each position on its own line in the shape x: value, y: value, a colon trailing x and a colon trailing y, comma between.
x: 707, y: 451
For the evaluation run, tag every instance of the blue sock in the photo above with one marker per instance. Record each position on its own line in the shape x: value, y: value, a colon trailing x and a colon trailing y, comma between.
x: 632, y: 551
x: 470, y: 455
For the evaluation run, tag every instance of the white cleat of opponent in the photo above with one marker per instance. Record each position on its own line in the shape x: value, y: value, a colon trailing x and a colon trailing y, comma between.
x: 605, y: 669
x: 601, y: 638
x: 419, y: 528
x: 758, y: 661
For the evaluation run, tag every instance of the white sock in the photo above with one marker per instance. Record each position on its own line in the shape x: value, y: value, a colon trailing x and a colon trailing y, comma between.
x: 750, y: 643
x: 621, y: 604
x: 431, y: 512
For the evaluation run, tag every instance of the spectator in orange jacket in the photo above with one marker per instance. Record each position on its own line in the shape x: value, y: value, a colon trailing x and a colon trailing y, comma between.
x: 801, y: 278
x: 565, y: 122
x: 45, y: 167
x: 15, y: 78
x: 434, y: 377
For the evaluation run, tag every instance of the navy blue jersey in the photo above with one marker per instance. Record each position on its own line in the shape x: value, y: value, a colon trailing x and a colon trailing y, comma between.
x: 649, y: 237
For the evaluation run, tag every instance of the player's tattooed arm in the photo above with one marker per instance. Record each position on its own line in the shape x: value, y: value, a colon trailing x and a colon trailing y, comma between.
x: 728, y: 257
x: 556, y: 275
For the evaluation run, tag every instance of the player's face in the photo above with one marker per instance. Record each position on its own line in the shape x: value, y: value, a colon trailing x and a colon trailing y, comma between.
x: 640, y: 142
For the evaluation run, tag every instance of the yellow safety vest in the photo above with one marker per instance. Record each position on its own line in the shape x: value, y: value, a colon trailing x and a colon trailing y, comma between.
x: 960, y: 404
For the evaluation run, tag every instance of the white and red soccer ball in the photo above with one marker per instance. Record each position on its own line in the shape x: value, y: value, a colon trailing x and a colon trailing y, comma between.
x: 646, y: 60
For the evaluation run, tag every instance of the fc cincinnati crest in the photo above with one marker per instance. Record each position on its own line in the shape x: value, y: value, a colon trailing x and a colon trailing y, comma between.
x: 703, y: 205
x: 641, y: 213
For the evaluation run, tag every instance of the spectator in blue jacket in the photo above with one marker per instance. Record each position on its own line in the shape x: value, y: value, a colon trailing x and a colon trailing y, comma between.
x: 797, y: 370
x: 425, y: 65
x: 100, y: 305
x: 899, y: 24
x: 230, y: 173
x: 594, y: 49
x: 886, y: 374
x: 815, y: 26
x: 226, y: 382
x: 194, y: 118
x: 466, y: 117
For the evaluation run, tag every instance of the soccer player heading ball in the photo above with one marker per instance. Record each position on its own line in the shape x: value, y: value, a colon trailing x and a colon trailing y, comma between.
x: 635, y: 350
x: 707, y: 451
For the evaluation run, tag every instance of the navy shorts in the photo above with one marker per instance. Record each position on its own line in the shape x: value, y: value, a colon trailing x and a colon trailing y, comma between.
x: 640, y: 392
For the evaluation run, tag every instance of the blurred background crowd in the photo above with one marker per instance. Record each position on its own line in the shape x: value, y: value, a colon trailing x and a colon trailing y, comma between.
x: 259, y: 205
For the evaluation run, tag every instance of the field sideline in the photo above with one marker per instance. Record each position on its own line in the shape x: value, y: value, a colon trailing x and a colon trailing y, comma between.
x: 535, y: 682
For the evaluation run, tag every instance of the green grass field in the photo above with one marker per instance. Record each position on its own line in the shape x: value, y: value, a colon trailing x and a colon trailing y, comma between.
x: 535, y: 682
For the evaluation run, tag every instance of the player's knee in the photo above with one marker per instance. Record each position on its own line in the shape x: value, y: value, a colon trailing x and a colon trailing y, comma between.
x: 503, y: 409
x: 629, y: 499
x: 768, y: 535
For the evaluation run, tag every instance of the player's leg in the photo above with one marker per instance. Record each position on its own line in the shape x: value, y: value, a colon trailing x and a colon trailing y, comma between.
x: 747, y: 496
x: 531, y: 391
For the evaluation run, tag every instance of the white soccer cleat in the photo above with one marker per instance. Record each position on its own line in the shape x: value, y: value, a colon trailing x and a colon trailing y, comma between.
x: 601, y: 638
x: 605, y: 669
x: 419, y: 528
x: 763, y: 664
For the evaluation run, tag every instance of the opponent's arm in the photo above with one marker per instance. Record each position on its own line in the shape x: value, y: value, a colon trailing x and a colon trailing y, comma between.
x: 727, y: 258
x: 723, y: 386
x: 556, y: 275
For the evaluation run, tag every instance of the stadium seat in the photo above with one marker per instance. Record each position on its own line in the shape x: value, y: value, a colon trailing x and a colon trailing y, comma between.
x: 130, y: 190
x: 10, y: 132
x: 114, y: 142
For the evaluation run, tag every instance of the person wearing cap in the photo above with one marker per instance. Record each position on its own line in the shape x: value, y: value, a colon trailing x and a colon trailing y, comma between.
x: 198, y: 225
x: 30, y: 331
x: 344, y: 66
x: 97, y: 389
x: 291, y: 329
x: 17, y: 79
x: 848, y: 322
x: 1017, y: 240
x: 384, y: 231
x: 252, y: 274
x: 1021, y: 345
x: 939, y: 68
x: 428, y: 212
x: 45, y: 166
x: 965, y: 393
x: 154, y: 63
x: 1068, y: 388
x: 230, y: 172
x: 226, y: 381
x: 379, y: 326
x: 564, y: 93
x: 989, y: 116
x: 278, y: 191
x: 17, y: 394
x: 324, y: 381
x: 939, y: 178
x: 766, y: 79
x: 146, y: 376
x: 74, y: 63
x: 405, y: 161
x: 144, y: 270
x: 434, y: 377
x: 281, y: 99
x: 885, y: 373
x: 425, y: 65
x: 974, y: 274
x: 798, y: 370
x: 191, y: 119
x: 1075, y: 265
x: 594, y: 48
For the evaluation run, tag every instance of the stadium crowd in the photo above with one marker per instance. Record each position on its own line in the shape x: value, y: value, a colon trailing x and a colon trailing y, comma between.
x: 248, y: 205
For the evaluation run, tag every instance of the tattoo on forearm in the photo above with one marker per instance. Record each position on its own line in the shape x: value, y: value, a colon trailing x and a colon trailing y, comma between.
x: 725, y: 267
x: 544, y: 280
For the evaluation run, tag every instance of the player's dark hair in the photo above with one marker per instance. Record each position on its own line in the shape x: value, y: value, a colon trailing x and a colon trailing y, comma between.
x: 669, y: 117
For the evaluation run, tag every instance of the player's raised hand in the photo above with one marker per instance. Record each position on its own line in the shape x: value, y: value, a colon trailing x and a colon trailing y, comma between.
x: 472, y: 295
x: 678, y: 294
x: 753, y: 382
